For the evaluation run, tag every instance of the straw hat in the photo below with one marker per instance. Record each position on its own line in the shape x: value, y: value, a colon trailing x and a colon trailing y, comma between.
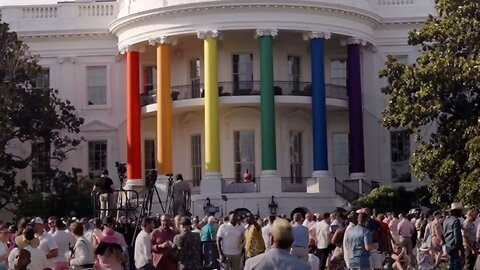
x: 108, y: 236
x: 22, y: 242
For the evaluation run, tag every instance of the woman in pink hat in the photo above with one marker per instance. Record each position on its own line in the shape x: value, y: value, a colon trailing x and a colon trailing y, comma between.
x: 108, y: 252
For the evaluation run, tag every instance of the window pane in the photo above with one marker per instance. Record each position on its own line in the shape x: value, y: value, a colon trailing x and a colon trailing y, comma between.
x: 196, y: 155
x: 41, y: 167
x: 97, y: 85
x: 340, y: 161
x: 244, y: 151
x: 296, y: 158
x: 400, y: 154
x: 242, y: 73
x: 150, y: 158
x: 43, y: 80
x: 195, y: 77
x: 338, y: 71
x: 149, y: 78
x: 97, y: 158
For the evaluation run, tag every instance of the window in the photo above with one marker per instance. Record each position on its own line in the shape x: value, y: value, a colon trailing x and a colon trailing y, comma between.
x: 150, y: 159
x: 338, y: 72
x: 41, y: 167
x: 296, y: 159
x: 43, y: 79
x: 244, y: 147
x: 196, y: 146
x: 400, y: 150
x: 340, y: 164
x: 97, y: 158
x: 149, y: 79
x: 195, y: 77
x: 294, y: 72
x: 242, y: 73
x: 97, y: 85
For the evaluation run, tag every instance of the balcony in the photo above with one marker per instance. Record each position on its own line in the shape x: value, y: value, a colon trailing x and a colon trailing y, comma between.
x: 281, y: 88
x: 294, y: 184
x: 232, y: 185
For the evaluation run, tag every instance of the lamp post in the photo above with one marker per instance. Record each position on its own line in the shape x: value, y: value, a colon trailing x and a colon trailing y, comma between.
x: 273, y: 205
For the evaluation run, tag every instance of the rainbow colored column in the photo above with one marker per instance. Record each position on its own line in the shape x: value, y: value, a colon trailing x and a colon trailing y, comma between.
x: 134, y: 167
x: 164, y: 111
x: 319, y: 108
x: 355, y: 111
x: 212, y: 131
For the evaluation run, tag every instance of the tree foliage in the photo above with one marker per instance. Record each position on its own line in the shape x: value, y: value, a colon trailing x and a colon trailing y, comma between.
x: 70, y: 196
x: 386, y: 198
x: 438, y: 100
x: 29, y: 114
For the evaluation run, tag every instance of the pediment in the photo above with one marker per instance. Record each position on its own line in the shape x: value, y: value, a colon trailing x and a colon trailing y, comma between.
x: 97, y: 125
x: 191, y: 118
x: 299, y: 114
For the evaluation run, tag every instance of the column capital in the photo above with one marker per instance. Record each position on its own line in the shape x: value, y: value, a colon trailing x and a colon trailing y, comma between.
x: 162, y: 40
x: 353, y: 40
x: 316, y: 34
x: 266, y: 32
x: 208, y: 34
x: 131, y: 48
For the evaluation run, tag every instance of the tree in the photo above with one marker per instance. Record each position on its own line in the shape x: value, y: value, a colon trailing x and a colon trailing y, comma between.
x: 386, y: 198
x: 29, y: 114
x: 438, y: 100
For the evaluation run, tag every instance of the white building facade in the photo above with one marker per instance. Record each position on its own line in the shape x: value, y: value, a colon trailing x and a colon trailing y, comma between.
x: 246, y: 99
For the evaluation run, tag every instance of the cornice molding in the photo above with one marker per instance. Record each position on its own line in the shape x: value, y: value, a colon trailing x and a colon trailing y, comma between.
x: 46, y: 35
x: 120, y: 23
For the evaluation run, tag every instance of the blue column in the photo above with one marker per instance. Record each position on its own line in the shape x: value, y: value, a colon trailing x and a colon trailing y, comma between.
x: 319, y: 109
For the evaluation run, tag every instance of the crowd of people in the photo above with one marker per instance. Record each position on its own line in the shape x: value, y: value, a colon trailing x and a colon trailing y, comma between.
x: 360, y: 239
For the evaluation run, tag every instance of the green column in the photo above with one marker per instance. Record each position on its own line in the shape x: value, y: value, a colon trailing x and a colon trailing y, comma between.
x: 267, y: 104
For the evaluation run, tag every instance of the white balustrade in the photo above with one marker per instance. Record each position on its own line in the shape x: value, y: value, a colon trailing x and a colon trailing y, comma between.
x: 395, y: 2
x: 46, y: 12
x: 96, y: 10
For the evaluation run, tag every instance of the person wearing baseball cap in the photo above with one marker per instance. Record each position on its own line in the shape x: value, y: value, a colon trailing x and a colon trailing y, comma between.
x: 47, y: 244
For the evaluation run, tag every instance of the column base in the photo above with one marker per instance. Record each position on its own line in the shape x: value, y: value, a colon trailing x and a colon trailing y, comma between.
x: 322, y: 183
x: 270, y: 182
x: 211, y: 184
x: 358, y: 175
x: 133, y: 184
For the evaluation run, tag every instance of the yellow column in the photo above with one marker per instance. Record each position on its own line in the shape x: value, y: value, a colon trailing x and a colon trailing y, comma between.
x: 164, y: 111
x: 212, y: 133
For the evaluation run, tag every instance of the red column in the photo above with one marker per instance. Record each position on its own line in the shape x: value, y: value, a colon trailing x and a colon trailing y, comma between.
x: 134, y: 149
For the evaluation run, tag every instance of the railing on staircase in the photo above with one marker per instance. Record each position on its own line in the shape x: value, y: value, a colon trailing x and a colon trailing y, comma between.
x: 352, y: 189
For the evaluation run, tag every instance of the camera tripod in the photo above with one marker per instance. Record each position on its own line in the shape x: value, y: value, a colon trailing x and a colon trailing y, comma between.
x: 146, y: 207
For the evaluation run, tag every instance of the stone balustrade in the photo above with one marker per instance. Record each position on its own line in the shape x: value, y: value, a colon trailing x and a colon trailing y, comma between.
x: 65, y: 17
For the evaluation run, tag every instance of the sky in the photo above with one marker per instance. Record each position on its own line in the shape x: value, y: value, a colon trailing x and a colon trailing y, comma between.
x: 26, y: 2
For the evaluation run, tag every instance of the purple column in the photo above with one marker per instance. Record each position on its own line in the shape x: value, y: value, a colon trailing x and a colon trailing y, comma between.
x: 355, y: 112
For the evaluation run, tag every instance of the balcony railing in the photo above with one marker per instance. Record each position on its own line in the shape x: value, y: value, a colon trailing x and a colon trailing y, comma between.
x: 285, y: 88
x: 294, y: 184
x: 232, y: 185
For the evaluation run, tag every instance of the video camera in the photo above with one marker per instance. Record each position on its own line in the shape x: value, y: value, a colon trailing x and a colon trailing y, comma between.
x: 121, y: 168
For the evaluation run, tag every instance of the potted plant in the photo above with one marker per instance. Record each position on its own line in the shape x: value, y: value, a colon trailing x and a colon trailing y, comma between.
x: 175, y: 94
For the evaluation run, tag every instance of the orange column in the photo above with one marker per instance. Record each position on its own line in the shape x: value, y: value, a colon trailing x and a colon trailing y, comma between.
x: 164, y: 111
x: 134, y: 149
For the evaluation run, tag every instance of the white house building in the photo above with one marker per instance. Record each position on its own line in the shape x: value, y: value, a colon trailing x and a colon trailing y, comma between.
x: 246, y: 99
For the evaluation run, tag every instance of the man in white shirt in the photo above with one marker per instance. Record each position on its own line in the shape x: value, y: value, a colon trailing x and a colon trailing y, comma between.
x: 266, y: 231
x: 30, y: 243
x: 64, y: 241
x: 323, y: 239
x: 230, y: 238
x: 143, y: 247
x: 47, y: 243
